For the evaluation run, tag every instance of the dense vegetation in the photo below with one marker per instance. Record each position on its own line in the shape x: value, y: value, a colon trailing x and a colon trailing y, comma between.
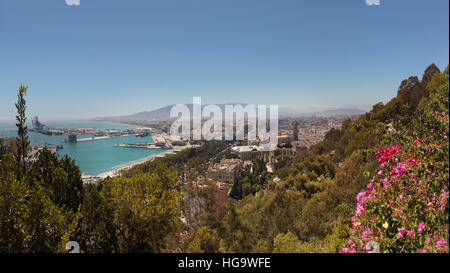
x: 382, y: 177
x: 312, y: 208
x: 405, y: 206
x: 254, y: 178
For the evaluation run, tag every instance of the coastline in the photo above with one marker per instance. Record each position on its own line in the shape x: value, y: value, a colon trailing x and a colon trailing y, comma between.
x: 116, y: 170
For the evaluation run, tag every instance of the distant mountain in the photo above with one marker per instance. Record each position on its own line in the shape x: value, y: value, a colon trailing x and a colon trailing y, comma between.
x: 158, y: 114
x: 164, y: 113
x: 285, y: 112
x: 344, y: 111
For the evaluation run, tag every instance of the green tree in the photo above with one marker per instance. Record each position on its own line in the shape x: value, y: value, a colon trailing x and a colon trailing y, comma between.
x: 2, y: 149
x: 13, y: 208
x: 60, y: 177
x: 286, y: 243
x: 438, y: 80
x: 22, y: 130
x: 205, y: 240
x: 29, y: 221
x: 97, y: 232
x: 147, y: 209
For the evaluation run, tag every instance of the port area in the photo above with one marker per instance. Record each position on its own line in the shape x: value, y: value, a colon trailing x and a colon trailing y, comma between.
x: 160, y: 141
x: 95, y: 134
x: 145, y: 145
x: 101, y: 137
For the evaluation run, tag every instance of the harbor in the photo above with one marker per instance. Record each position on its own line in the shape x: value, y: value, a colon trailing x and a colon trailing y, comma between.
x: 92, y: 157
x: 99, y: 138
x: 101, y: 149
x: 159, y: 141
x: 92, y: 133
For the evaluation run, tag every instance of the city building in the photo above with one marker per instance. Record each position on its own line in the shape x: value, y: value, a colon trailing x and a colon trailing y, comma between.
x: 228, y: 171
x: 246, y: 152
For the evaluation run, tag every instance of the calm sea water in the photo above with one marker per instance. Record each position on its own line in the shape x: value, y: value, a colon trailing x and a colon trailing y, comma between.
x: 93, y: 157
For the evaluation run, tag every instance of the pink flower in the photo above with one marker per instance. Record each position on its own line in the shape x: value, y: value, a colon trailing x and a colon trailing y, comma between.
x: 417, y: 140
x: 441, y: 245
x: 384, y: 155
x: 421, y: 226
x: 445, y: 137
x: 412, y: 161
x: 399, y: 170
x: 424, y: 250
x: 346, y: 250
x: 401, y: 197
x: 401, y: 231
x: 359, y: 210
x: 410, y: 233
x: 365, y: 233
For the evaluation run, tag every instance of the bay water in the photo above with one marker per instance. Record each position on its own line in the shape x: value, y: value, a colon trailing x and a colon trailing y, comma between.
x: 93, y: 157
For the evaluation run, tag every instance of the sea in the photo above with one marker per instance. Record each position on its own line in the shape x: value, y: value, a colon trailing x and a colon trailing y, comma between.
x: 93, y: 157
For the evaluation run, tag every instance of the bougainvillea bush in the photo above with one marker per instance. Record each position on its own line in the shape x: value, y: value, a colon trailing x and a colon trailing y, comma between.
x: 405, y: 206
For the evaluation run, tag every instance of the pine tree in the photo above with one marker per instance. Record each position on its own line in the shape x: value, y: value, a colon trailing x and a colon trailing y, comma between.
x: 22, y: 130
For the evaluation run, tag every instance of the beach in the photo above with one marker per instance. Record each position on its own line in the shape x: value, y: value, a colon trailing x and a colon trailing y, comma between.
x: 117, y: 170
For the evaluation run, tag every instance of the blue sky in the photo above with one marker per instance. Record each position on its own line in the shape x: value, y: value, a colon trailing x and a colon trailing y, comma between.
x: 113, y: 57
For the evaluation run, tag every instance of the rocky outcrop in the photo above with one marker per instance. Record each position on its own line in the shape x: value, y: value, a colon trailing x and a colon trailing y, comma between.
x: 410, y: 83
x: 411, y: 90
x: 429, y: 72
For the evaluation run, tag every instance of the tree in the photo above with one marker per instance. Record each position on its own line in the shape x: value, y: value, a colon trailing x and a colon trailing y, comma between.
x: 60, y: 177
x: 147, y: 209
x: 12, y: 208
x: 22, y: 130
x: 2, y: 149
x: 97, y: 232
x: 286, y: 243
x: 29, y: 221
x: 205, y: 240
x: 438, y: 80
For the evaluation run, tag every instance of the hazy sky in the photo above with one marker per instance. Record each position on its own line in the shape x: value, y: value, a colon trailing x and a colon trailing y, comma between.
x: 113, y: 57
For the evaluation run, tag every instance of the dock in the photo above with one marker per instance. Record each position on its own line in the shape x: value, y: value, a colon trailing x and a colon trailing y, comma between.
x: 145, y: 145
x: 101, y: 137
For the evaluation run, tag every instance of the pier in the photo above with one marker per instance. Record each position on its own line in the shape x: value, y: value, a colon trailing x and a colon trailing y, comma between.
x: 160, y: 141
x: 101, y: 137
x: 145, y: 145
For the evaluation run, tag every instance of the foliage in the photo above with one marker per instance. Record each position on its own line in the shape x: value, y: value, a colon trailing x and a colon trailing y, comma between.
x: 22, y: 130
x: 97, y: 232
x: 438, y: 80
x: 146, y: 209
x: 60, y: 177
x: 405, y: 206
x: 253, y: 179
x: 205, y: 240
x: 29, y: 221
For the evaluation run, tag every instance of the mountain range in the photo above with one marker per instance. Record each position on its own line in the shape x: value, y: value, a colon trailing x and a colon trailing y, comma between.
x: 164, y: 113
